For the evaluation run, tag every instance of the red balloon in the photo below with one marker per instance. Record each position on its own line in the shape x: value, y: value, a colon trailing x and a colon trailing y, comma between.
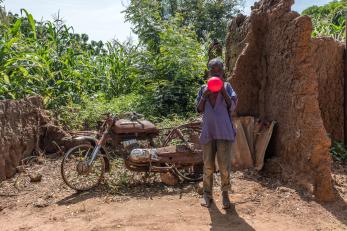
x: 214, y: 84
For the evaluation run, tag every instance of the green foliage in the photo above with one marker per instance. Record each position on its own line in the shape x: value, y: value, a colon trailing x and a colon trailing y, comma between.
x: 146, y: 20
x: 82, y: 79
x: 174, y: 120
x: 174, y: 33
x: 169, y: 83
x: 339, y: 151
x: 208, y: 18
x: 87, y: 114
x: 176, y: 71
x: 328, y: 20
x: 48, y: 59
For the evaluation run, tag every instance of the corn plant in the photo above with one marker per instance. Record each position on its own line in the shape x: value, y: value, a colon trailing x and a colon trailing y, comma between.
x: 49, y: 59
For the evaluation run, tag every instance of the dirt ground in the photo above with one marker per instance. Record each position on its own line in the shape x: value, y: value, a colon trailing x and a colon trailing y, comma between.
x: 133, y: 202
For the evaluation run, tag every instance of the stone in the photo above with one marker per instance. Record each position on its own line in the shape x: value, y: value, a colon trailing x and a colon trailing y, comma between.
x: 169, y: 178
x: 35, y: 177
x: 199, y: 188
x: 40, y: 203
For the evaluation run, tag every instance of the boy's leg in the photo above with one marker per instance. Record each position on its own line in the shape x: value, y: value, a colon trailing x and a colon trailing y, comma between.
x: 209, y: 153
x: 224, y: 163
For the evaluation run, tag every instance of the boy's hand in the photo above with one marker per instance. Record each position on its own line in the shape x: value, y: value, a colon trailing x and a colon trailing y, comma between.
x: 206, y: 93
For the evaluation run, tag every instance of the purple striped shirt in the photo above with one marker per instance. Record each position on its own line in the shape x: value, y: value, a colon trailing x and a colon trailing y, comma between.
x: 216, y: 121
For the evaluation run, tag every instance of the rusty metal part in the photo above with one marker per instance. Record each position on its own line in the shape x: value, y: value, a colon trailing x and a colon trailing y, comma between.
x: 167, y: 159
x: 83, y: 133
x: 179, y: 154
x: 192, y: 129
x: 123, y: 126
x: 146, y: 167
x: 136, y: 167
x: 160, y: 169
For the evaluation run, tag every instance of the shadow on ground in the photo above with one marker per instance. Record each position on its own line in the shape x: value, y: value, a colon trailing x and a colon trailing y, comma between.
x: 136, y: 191
x: 337, y: 208
x: 229, y: 220
x: 77, y: 197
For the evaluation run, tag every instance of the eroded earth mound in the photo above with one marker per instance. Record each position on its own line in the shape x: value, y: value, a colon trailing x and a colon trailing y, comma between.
x: 272, y: 61
x: 25, y: 127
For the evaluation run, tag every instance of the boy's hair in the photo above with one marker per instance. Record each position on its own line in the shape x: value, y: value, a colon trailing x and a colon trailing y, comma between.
x: 216, y: 67
x: 215, y: 63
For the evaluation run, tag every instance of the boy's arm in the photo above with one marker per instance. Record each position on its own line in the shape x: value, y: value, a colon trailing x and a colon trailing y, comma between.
x: 230, y: 97
x: 201, y: 99
x: 226, y: 96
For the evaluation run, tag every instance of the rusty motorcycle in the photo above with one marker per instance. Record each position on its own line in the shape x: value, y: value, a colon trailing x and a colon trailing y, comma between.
x: 83, y: 166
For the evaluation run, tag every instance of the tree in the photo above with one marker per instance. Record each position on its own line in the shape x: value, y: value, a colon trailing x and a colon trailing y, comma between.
x: 3, y: 15
x: 171, y: 77
x: 147, y: 21
x: 328, y: 20
x: 175, y: 34
x: 208, y: 18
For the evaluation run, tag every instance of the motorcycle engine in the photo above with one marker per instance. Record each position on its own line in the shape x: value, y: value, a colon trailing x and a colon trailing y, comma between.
x: 130, y: 144
x: 143, y: 155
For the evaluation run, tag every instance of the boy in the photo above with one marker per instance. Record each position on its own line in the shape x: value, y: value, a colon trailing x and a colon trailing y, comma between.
x: 217, y: 132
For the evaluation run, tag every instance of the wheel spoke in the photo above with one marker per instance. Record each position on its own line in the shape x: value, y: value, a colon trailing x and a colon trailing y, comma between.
x: 76, y: 172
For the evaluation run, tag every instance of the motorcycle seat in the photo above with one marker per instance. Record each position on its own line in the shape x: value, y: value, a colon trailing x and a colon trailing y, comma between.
x: 124, y: 126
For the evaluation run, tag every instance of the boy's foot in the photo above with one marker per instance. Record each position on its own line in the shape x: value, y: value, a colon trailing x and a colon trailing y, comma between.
x: 225, y: 200
x: 206, y: 200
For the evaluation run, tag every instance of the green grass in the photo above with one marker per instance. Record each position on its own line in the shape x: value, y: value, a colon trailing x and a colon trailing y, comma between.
x: 88, y: 115
x: 90, y: 112
x: 338, y: 151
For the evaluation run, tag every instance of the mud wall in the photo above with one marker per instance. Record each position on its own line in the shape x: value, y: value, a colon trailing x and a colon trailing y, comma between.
x: 25, y: 127
x: 19, y: 127
x: 269, y: 58
x: 327, y: 61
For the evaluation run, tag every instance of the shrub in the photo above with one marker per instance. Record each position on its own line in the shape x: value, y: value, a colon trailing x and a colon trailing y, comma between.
x: 338, y: 151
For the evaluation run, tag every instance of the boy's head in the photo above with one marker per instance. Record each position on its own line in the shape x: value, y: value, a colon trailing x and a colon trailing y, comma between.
x: 216, y: 68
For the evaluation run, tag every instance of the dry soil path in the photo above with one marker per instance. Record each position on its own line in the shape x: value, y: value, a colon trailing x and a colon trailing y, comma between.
x: 259, y: 204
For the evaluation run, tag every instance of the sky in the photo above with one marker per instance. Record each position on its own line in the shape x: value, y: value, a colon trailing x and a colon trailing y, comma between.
x: 101, y: 19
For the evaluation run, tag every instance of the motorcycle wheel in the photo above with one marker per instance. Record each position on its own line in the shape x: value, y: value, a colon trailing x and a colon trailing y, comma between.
x: 76, y: 173
x: 191, y: 174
